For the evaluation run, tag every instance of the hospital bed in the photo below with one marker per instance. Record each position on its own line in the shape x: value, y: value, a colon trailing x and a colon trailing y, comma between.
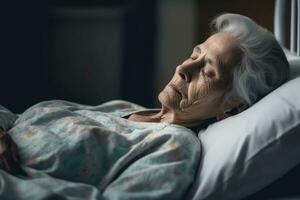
x: 253, y: 155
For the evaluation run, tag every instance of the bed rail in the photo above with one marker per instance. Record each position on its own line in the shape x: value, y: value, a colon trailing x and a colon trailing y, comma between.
x: 280, y: 26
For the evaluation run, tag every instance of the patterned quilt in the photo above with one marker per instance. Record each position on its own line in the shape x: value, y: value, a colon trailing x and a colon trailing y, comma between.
x: 74, y: 151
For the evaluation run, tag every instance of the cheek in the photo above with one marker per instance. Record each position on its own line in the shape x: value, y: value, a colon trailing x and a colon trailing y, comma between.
x: 198, y: 91
x: 205, y: 92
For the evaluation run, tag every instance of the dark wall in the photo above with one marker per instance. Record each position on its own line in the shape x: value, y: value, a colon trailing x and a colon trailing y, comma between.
x: 27, y: 60
x: 140, y: 35
x: 260, y: 11
x: 22, y: 79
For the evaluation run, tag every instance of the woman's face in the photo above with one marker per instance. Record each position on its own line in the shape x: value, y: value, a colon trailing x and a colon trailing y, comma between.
x: 195, y: 92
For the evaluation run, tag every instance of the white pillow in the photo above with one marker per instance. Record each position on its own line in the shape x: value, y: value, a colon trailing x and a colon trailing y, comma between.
x: 244, y: 153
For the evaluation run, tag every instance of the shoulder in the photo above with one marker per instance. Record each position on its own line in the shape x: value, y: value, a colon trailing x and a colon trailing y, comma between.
x: 185, y: 136
x: 121, y: 105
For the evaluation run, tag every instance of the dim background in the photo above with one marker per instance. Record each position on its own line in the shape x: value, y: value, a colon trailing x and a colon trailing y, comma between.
x: 92, y: 51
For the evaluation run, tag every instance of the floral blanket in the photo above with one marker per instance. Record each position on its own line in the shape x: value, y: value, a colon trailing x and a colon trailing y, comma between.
x: 74, y: 151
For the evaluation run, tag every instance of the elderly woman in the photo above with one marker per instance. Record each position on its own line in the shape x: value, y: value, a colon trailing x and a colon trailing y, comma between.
x: 120, y: 150
x: 239, y: 64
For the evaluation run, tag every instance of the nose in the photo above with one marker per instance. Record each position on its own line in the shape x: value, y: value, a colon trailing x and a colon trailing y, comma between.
x: 189, y: 68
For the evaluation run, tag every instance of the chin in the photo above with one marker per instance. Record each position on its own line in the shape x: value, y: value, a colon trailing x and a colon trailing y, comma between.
x: 167, y: 101
x: 161, y: 97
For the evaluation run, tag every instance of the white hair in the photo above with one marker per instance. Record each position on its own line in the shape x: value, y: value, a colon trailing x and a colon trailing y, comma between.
x: 263, y: 65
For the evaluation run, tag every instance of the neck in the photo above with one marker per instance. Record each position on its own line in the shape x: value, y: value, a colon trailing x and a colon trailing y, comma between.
x: 165, y: 115
x: 173, y: 117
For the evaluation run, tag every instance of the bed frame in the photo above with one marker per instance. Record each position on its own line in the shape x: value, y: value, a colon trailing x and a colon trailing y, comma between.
x: 288, y: 9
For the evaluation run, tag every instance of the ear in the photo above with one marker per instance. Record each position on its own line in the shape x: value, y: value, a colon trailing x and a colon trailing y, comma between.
x: 232, y: 107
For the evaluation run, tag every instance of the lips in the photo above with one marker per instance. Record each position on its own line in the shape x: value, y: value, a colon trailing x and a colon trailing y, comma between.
x: 171, y: 85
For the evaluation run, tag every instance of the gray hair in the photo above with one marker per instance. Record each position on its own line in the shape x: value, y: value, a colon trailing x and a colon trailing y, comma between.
x: 263, y: 65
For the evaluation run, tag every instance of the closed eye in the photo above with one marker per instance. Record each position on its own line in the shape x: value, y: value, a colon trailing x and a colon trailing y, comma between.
x: 208, y: 73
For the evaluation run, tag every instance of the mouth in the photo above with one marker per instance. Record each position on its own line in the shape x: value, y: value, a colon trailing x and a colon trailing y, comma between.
x: 171, y: 85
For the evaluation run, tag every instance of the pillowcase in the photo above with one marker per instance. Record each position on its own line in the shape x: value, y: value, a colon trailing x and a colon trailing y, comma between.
x: 244, y: 153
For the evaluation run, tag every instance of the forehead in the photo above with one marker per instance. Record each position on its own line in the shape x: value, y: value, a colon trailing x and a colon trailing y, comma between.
x: 222, y: 47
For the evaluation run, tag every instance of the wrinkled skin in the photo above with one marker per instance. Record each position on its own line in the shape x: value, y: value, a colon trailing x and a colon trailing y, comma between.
x: 195, y: 92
